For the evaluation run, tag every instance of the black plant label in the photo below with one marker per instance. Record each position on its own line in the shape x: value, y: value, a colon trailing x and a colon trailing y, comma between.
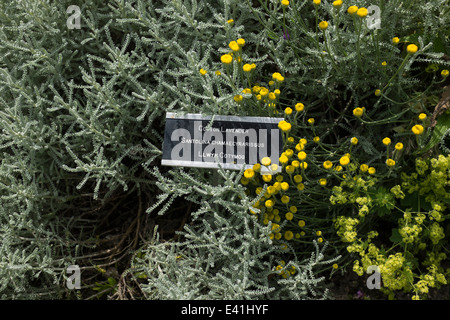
x: 232, y: 142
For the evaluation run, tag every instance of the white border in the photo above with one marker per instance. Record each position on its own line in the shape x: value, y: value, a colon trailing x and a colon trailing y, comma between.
x: 197, y: 116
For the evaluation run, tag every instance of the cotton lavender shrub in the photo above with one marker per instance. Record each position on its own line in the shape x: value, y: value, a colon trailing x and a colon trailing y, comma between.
x: 82, y: 117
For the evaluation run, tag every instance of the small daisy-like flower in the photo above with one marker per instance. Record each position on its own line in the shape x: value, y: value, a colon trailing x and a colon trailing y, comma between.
x: 299, y: 107
x: 399, y: 146
x: 358, y: 112
x: 316, y: 2
x: 247, y: 67
x: 288, y: 235
x: 328, y: 164
x: 238, y: 98
x: 395, y: 40
x: 417, y: 129
x: 316, y: 139
x: 285, y: 199
x: 298, y: 178
x: 226, y: 59
x: 249, y: 173
x: 372, y: 170
x: 412, y: 48
x: 337, y: 3
x: 422, y: 116
x: 218, y: 73
x: 284, y: 3
x: 230, y: 21
x: 390, y: 162
x: 234, y: 46
x: 323, y: 25
x: 362, y: 12
x: 345, y: 160
x: 301, y: 155
x: 323, y: 182
x: 267, y: 177
x: 386, y: 141
x: 311, y: 121
x: 352, y: 9
x: 384, y: 63
x: 203, y: 72
x: 240, y: 42
x: 301, y: 223
x: 445, y: 73
x: 354, y: 140
x: 377, y: 92
x: 364, y: 167
x: 266, y: 161
x: 284, y: 126
x: 289, y: 216
x: 288, y: 111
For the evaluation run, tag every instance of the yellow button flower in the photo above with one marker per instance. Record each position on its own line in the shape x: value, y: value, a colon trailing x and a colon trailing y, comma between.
x: 311, y: 121
x: 288, y: 235
x: 234, y: 46
x: 267, y: 177
x: 240, y: 42
x: 372, y: 170
x: 337, y: 3
x: 285, y: 199
x: 301, y: 223
x: 284, y: 126
x: 203, y: 72
x: 362, y: 12
x: 288, y: 111
x: 386, y: 141
x: 358, y: 112
x: 323, y: 25
x: 249, y: 173
x: 417, y: 129
x: 298, y: 178
x: 285, y: 3
x: 395, y: 40
x: 316, y: 2
x: 226, y: 59
x: 266, y: 161
x: 352, y: 9
x: 390, y: 162
x: 328, y: 164
x: 323, y: 182
x: 302, y: 155
x: 299, y: 107
x: 238, y: 98
x: 422, y: 116
x: 364, y: 167
x: 354, y: 140
x: 345, y: 160
x: 412, y: 48
x: 399, y: 146
x: 445, y: 73
x: 247, y: 67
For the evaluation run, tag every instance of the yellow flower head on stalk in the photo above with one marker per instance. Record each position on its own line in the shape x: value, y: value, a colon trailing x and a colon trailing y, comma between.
x: 316, y: 2
x: 362, y: 12
x: 203, y: 72
x: 247, y: 67
x: 266, y: 161
x: 218, y: 73
x: 422, y: 116
x: 372, y: 170
x: 364, y: 167
x: 230, y: 21
x: 288, y: 235
x: 377, y: 92
x: 272, y: 96
x: 298, y: 178
x: 390, y: 162
x: 284, y: 126
x: 345, y: 160
x: 386, y: 141
x: 240, y: 42
x: 226, y: 58
x: 249, y: 173
x: 352, y: 9
x: 234, y: 46
x: 277, y: 77
x: 323, y: 182
x: 316, y: 139
x: 358, y: 112
x: 301, y: 155
x: 445, y: 73
x: 288, y: 111
x: 337, y: 3
x: 257, y: 167
x: 417, y: 129
x: 399, y: 146
x: 328, y: 164
x: 264, y: 91
x: 267, y: 177
x: 299, y: 107
x: 285, y: 3
x: 311, y: 121
x: 412, y: 48
x: 238, y: 98
x: 354, y: 140
x: 395, y: 40
x: 301, y: 223
x: 323, y: 25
